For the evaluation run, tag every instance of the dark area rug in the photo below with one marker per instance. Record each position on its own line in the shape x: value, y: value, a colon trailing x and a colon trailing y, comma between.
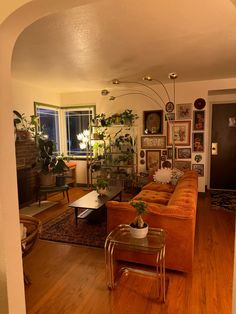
x: 63, y: 229
x: 223, y: 200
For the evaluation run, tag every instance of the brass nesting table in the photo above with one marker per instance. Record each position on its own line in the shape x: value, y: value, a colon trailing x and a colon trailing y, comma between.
x: 154, y: 242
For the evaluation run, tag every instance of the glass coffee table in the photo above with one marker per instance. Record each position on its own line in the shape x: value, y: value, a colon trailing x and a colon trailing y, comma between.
x: 154, y: 242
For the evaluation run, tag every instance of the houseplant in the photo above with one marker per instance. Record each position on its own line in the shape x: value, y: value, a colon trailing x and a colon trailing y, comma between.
x: 128, y: 117
x: 139, y: 228
x: 59, y: 170
x: 25, y: 127
x: 46, y: 161
x: 102, y: 185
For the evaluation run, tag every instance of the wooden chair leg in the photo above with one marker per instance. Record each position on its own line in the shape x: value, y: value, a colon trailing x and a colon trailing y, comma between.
x: 27, y: 279
x: 67, y: 194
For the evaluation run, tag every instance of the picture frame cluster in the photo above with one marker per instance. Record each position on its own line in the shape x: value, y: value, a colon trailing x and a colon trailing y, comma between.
x: 183, y: 125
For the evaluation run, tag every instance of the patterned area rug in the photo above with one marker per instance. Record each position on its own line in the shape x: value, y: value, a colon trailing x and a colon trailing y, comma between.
x: 223, y: 200
x: 63, y: 229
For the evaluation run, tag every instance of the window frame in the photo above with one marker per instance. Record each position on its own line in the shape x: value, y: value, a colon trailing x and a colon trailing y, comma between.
x: 63, y: 120
x: 62, y: 123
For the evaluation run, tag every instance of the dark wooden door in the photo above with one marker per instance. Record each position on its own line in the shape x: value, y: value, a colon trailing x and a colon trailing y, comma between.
x: 223, y: 152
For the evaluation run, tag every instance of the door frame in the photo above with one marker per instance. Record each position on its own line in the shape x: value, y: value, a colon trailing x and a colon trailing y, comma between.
x: 211, y: 102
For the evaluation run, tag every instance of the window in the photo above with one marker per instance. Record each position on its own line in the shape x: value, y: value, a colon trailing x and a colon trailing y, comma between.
x: 62, y: 125
x: 77, y: 120
x: 49, y: 124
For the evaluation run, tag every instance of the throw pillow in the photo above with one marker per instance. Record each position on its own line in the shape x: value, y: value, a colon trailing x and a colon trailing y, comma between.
x: 163, y: 175
x: 176, y: 174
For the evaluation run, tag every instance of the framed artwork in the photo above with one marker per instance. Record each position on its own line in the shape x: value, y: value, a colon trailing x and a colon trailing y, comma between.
x: 198, y: 142
x: 163, y: 158
x: 179, y: 131
x: 153, y: 142
x: 184, y: 111
x: 198, y: 158
x: 170, y: 116
x: 199, y: 103
x: 166, y: 164
x: 170, y: 106
x: 153, y: 159
x: 142, y: 154
x: 184, y: 153
x: 170, y: 153
x: 199, y: 168
x: 153, y: 122
x: 198, y: 120
x: 183, y: 165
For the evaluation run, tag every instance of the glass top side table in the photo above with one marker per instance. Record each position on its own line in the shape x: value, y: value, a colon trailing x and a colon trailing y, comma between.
x: 154, y: 243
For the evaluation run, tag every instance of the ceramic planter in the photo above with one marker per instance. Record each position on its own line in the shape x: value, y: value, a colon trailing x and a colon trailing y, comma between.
x: 138, y: 232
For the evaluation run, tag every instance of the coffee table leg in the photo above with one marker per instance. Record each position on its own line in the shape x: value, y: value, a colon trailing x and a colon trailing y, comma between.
x: 76, y: 215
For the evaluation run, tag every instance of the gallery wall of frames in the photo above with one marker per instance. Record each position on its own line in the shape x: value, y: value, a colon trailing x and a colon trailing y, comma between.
x: 183, y: 124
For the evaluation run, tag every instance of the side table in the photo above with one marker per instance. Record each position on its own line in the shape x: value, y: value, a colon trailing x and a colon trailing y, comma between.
x: 154, y: 242
x: 53, y: 189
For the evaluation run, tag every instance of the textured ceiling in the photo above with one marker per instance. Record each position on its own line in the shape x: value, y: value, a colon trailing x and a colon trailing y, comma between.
x: 84, y: 48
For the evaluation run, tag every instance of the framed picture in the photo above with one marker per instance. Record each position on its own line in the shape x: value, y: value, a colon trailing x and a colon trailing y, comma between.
x: 163, y: 158
x: 153, y: 122
x: 153, y: 142
x: 166, y: 164
x: 199, y: 168
x: 153, y: 159
x: 170, y: 106
x: 180, y: 132
x: 198, y: 120
x: 170, y: 153
x: 183, y: 165
x: 184, y: 153
x: 170, y: 116
x: 184, y: 111
x: 198, y: 142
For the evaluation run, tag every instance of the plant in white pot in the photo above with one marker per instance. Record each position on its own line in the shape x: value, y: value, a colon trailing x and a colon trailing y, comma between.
x: 102, y: 186
x: 139, y: 228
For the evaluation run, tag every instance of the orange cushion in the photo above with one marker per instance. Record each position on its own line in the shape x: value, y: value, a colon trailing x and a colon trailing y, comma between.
x: 154, y: 197
x: 156, y: 186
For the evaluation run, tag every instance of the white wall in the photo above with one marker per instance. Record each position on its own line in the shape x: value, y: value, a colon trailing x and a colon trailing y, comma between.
x: 24, y: 96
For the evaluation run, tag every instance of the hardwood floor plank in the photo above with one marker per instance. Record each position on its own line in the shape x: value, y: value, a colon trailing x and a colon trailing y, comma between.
x: 71, y: 279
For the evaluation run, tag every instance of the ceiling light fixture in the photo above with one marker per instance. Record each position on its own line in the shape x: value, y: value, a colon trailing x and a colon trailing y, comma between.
x: 152, y: 94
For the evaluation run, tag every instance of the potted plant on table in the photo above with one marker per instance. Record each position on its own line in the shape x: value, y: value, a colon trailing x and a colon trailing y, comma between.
x: 46, y: 161
x: 25, y: 128
x: 59, y: 170
x: 139, y: 228
x: 102, y: 186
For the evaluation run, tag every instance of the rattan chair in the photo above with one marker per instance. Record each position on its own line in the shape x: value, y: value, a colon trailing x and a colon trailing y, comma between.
x: 32, y: 230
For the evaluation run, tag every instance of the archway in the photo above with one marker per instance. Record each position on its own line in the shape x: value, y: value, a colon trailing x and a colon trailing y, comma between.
x: 11, y: 275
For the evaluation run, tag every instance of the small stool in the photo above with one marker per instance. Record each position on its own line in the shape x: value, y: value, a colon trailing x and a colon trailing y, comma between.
x: 53, y: 189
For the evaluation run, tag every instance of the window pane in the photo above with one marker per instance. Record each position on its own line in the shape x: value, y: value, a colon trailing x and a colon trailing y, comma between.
x: 76, y: 122
x: 49, y: 124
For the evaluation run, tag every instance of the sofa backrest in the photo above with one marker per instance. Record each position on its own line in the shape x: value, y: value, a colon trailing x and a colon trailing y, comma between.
x: 186, y: 191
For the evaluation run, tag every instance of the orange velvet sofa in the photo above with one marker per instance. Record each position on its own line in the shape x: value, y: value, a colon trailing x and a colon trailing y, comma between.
x: 172, y: 208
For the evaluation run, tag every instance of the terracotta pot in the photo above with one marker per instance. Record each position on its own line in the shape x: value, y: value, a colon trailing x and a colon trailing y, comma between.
x: 47, y: 179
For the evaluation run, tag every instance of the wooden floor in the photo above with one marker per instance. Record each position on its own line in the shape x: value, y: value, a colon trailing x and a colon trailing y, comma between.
x: 71, y: 279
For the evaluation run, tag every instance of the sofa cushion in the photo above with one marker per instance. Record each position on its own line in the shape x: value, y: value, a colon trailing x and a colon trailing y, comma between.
x: 159, y: 187
x: 154, y: 197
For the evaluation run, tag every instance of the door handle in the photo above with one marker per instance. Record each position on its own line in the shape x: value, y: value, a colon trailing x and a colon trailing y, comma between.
x: 214, y: 148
